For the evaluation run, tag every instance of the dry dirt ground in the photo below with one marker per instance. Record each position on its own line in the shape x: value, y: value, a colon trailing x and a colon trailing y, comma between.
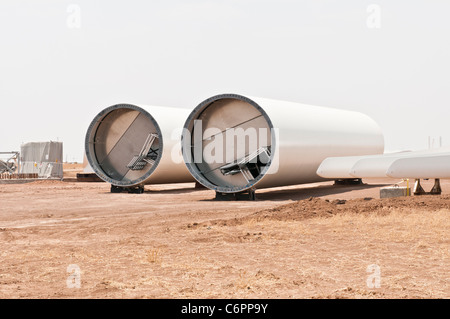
x: 307, y: 241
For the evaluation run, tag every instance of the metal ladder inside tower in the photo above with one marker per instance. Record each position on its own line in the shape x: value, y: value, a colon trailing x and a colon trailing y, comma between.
x: 251, y: 162
x: 140, y: 161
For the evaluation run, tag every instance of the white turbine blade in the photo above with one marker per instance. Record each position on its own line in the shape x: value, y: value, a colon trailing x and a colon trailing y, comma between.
x: 433, y: 166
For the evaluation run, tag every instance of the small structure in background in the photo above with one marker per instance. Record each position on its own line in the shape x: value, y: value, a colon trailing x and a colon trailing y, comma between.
x: 43, y: 159
x: 9, y: 162
x: 10, y: 166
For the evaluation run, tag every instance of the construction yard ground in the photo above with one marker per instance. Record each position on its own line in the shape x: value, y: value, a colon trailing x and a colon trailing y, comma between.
x: 65, y: 239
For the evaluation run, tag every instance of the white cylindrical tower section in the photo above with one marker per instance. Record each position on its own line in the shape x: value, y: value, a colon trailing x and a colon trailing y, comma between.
x: 128, y: 145
x: 233, y: 143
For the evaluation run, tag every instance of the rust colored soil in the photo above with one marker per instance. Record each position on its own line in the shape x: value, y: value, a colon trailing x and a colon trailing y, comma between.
x: 309, y: 241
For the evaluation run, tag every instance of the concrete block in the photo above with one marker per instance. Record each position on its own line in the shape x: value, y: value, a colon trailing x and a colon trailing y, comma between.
x: 393, y: 191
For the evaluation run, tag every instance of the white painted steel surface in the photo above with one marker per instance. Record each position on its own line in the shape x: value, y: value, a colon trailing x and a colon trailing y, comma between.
x: 120, y: 133
x: 303, y: 136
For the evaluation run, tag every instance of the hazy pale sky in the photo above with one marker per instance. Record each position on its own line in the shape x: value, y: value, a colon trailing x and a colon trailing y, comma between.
x: 62, y: 62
